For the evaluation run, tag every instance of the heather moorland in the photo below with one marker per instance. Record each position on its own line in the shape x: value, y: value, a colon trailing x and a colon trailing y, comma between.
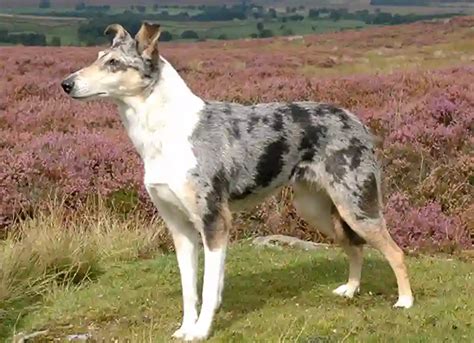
x: 413, y: 85
x: 71, y: 197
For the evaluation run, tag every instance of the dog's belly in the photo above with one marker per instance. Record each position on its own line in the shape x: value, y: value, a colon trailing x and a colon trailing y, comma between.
x: 252, y: 200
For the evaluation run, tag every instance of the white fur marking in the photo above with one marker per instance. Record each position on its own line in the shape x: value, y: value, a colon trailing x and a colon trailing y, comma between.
x: 185, y: 238
x: 347, y: 290
x: 404, y: 301
x: 213, y: 276
x: 160, y: 126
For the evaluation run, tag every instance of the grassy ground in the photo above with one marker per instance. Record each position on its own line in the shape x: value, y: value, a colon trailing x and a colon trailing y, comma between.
x: 108, y: 279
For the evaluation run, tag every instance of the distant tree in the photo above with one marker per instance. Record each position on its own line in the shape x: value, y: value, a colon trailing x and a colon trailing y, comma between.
x: 166, y: 36
x: 3, y: 35
x: 222, y: 37
x: 140, y: 8
x: 189, y: 34
x: 132, y: 7
x: 55, y: 41
x: 405, y: 2
x: 254, y: 35
x: 44, y: 4
x: 383, y: 18
x: 335, y: 15
x: 313, y: 13
x: 266, y: 33
x: 155, y: 8
x: 272, y: 13
x: 80, y: 6
x: 28, y: 39
x: 295, y: 17
x: 287, y: 32
x: 260, y: 26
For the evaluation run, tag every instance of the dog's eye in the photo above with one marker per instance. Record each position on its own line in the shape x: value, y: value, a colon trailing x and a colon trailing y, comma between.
x: 112, y: 62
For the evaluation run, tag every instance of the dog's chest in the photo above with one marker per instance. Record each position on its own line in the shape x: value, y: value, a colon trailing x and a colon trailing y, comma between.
x: 162, y: 141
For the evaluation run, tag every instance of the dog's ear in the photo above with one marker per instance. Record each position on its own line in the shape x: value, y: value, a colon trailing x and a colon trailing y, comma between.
x: 147, y: 42
x: 119, y: 33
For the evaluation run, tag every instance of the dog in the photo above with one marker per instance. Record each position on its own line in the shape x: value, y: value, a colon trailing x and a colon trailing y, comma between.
x: 205, y: 159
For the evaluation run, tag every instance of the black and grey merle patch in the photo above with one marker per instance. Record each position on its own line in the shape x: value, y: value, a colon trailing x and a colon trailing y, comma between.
x: 345, y: 160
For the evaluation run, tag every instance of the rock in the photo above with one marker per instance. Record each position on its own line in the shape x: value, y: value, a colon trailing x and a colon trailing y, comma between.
x: 281, y: 240
x: 82, y: 337
x: 292, y: 38
x: 22, y: 337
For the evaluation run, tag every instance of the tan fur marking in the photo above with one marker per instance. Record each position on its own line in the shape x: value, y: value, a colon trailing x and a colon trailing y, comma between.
x: 221, y: 233
x: 147, y: 34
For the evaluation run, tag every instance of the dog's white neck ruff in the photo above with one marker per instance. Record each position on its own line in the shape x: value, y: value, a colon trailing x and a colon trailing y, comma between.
x: 160, y: 125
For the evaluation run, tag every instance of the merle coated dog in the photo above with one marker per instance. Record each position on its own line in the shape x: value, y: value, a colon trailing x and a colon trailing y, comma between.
x: 205, y: 159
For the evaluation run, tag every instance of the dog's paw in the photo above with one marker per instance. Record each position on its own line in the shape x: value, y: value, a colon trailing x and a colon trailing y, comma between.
x: 196, y: 333
x: 346, y: 290
x: 181, y: 332
x: 404, y: 301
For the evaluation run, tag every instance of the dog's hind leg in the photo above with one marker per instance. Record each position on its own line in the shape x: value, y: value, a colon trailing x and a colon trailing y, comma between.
x: 353, y: 247
x: 360, y: 209
x: 215, y: 237
x: 315, y: 206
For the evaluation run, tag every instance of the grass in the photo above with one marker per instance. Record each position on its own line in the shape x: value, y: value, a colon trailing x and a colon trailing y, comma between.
x: 108, y: 277
x: 60, y: 251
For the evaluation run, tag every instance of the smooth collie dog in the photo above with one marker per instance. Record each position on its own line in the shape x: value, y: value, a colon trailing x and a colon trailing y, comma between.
x: 204, y: 159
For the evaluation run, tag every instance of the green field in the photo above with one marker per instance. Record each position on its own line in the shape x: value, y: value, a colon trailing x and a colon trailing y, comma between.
x: 50, y: 27
x: 243, y: 29
x: 66, y: 28
x: 271, y: 295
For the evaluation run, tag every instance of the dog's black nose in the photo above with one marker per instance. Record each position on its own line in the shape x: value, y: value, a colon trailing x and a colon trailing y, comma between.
x: 68, y: 85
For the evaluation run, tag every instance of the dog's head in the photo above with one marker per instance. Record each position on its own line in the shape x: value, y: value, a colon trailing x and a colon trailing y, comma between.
x: 126, y: 69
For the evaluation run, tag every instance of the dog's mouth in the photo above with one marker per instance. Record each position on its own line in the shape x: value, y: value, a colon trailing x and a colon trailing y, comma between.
x: 90, y: 96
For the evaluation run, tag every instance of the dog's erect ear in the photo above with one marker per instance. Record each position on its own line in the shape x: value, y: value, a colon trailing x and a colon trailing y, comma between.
x: 147, y: 42
x: 119, y: 33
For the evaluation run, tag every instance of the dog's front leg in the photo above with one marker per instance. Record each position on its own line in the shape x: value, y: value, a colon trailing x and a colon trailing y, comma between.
x: 215, y: 237
x: 186, y: 245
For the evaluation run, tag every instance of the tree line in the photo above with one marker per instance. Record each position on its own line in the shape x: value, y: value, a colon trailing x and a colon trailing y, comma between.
x: 28, y: 38
x: 412, y: 2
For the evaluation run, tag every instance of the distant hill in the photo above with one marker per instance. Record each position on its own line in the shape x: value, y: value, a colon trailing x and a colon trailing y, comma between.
x: 435, y: 6
x: 310, y: 3
x: 71, y: 3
